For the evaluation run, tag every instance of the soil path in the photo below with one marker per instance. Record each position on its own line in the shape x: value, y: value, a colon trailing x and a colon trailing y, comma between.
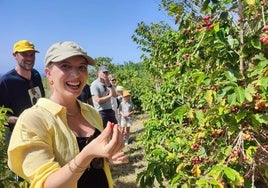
x: 125, y: 175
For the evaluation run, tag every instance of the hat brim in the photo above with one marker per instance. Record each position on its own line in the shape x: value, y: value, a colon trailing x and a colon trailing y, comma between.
x: 104, y: 70
x: 25, y: 50
x: 66, y: 55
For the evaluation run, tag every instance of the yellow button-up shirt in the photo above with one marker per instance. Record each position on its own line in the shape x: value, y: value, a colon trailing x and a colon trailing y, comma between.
x: 41, y: 141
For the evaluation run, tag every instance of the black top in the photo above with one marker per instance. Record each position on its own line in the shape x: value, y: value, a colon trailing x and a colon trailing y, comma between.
x: 94, y: 176
x: 85, y: 94
x: 19, y: 93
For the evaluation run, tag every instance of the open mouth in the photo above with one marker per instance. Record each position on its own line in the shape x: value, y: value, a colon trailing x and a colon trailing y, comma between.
x: 73, y: 85
x: 29, y: 63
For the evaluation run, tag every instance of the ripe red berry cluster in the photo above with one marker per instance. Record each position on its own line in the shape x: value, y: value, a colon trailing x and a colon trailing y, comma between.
x: 258, y: 105
x: 264, y: 147
x: 234, y: 153
x: 235, y: 109
x: 198, y: 160
x: 206, y: 23
x: 186, y: 56
x: 186, y: 31
x: 264, y: 35
x: 195, y: 146
x: 217, y: 132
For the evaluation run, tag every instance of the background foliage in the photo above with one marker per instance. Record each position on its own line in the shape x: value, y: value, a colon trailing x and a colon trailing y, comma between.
x: 6, y: 176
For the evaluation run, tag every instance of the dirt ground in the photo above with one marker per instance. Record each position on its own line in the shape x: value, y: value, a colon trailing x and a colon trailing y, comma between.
x: 125, y: 175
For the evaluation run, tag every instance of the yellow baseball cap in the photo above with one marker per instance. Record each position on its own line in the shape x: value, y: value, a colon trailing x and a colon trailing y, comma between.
x: 23, y: 45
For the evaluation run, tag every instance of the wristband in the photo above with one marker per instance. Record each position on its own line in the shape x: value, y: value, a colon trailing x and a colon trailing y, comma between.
x: 74, y: 170
x: 78, y: 168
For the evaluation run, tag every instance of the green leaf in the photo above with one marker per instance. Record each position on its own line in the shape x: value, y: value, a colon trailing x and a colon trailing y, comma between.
x: 180, y: 111
x: 249, y: 91
x: 224, y: 91
x: 216, y: 27
x: 209, y: 97
x: 261, y: 118
x: 259, y: 68
x: 230, y: 173
x: 230, y: 76
x: 231, y: 41
x: 264, y: 82
x: 232, y: 99
x: 256, y: 43
x: 220, y: 36
x: 185, y: 186
x: 250, y: 151
x: 240, y: 116
x: 205, y: 5
x: 200, y: 116
x: 200, y: 77
x: 216, y: 171
x: 228, y: 150
x: 240, y: 94
x: 216, y: 184
x: 202, y: 182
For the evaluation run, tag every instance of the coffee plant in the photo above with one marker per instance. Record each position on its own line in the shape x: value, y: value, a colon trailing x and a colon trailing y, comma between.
x: 6, y: 176
x: 208, y: 115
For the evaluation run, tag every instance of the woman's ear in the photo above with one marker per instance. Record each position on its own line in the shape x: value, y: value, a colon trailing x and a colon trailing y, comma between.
x: 48, y: 75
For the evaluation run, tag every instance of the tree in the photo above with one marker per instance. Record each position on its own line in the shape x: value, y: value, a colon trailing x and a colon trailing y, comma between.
x: 132, y: 77
x: 207, y: 122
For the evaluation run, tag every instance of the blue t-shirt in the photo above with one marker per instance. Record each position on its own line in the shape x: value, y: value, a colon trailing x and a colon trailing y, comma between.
x: 19, y: 93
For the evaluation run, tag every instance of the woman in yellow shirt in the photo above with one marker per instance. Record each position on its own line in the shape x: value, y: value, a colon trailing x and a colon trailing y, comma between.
x: 60, y: 142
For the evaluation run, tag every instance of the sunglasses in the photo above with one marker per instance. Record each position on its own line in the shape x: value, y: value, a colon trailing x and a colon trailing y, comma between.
x: 113, y: 80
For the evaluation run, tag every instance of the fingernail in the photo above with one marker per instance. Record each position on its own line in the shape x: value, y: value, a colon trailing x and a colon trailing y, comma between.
x: 112, y: 125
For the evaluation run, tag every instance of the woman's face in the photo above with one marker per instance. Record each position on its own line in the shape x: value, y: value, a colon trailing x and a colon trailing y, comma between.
x: 67, y: 77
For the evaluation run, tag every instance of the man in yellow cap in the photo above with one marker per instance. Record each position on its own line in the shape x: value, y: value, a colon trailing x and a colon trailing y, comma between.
x: 22, y: 86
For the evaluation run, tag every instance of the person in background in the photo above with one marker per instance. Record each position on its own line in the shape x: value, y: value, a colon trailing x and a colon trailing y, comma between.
x: 85, y: 95
x: 126, y: 109
x: 102, y: 91
x: 64, y: 134
x: 119, y: 95
x: 112, y: 80
x: 114, y: 100
x: 22, y: 86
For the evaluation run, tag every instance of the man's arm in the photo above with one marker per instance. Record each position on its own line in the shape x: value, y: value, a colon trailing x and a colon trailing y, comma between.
x: 104, y: 99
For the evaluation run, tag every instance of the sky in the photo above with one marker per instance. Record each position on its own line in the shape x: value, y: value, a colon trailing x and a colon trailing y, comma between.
x: 102, y: 28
